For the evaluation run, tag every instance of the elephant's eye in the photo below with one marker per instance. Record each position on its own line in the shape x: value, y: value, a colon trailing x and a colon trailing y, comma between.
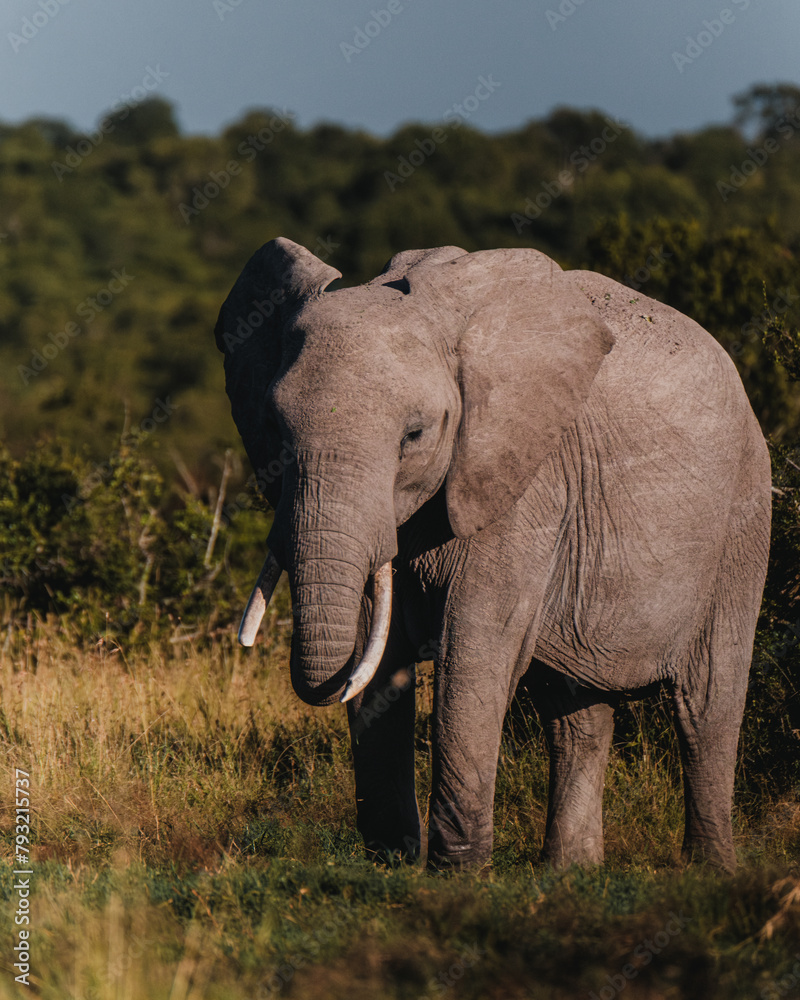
x: 410, y: 438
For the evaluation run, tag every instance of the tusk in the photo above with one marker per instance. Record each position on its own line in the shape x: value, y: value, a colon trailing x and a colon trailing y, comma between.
x: 378, y: 634
x: 259, y: 599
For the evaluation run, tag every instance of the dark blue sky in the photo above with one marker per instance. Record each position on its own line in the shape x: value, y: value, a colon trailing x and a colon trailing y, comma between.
x: 663, y: 66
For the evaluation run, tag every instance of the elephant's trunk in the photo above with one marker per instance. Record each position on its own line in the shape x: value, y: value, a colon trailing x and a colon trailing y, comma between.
x: 324, y: 635
x: 331, y: 569
x: 326, y: 600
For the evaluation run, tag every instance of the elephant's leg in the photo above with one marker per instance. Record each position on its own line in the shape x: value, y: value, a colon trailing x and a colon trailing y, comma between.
x: 709, y: 698
x: 382, y: 737
x: 493, y: 585
x: 469, y: 706
x: 578, y: 723
x: 708, y: 714
x: 708, y: 754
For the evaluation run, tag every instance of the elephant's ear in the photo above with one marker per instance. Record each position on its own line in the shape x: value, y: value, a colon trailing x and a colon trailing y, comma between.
x: 528, y: 345
x: 276, y: 280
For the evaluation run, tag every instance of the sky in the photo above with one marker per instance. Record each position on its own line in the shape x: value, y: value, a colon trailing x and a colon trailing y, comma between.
x: 662, y: 66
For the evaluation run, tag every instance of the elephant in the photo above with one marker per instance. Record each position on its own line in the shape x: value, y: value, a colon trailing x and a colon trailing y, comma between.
x: 521, y: 473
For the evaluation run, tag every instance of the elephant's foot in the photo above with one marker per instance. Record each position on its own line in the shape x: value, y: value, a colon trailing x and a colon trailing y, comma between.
x: 392, y: 832
x: 476, y: 862
x: 719, y: 855
x: 390, y: 857
x: 562, y: 851
x: 451, y: 851
x: 393, y: 851
x: 708, y: 791
x: 392, y: 847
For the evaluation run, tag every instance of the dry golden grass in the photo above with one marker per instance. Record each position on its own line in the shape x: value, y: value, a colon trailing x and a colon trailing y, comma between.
x: 193, y: 838
x: 157, y: 755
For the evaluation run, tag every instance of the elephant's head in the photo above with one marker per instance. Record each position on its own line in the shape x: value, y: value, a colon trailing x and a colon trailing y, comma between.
x: 356, y: 406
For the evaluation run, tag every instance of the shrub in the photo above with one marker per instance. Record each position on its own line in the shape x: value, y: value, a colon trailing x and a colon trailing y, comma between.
x: 111, y: 548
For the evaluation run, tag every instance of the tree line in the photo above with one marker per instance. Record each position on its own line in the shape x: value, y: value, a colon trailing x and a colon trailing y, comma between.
x: 127, y: 509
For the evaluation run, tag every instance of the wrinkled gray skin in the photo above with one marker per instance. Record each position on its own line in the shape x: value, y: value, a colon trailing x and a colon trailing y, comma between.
x: 572, y: 487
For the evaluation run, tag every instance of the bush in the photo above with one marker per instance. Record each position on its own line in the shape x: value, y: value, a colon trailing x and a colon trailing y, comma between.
x: 110, y: 548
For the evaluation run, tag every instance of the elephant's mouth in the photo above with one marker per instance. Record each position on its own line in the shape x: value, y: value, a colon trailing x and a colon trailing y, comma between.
x: 379, y: 631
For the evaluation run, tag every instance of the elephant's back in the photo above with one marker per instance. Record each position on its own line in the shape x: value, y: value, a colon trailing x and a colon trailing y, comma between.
x: 665, y: 354
x: 668, y: 380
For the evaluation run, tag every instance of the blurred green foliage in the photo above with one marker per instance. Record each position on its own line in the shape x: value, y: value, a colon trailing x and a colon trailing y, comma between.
x: 116, y: 250
x: 126, y: 513
x: 116, y: 552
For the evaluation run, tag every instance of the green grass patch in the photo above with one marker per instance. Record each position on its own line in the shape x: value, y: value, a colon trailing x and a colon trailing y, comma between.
x: 193, y: 837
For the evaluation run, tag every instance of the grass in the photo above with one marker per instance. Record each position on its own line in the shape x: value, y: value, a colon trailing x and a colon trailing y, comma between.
x: 194, y: 838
